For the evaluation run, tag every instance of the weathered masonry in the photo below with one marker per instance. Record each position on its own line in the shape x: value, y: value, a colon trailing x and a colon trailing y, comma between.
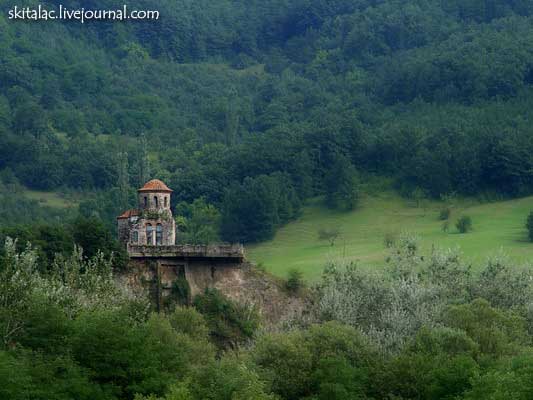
x: 152, y: 223
x: 159, y: 264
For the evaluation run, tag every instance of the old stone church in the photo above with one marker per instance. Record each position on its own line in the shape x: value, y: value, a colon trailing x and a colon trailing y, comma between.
x: 174, y: 273
x: 157, y: 263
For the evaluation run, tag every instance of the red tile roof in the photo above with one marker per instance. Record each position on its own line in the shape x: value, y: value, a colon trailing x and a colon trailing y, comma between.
x: 155, y: 185
x: 129, y: 214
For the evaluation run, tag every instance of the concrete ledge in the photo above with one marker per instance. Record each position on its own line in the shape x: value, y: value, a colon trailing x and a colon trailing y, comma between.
x: 225, y: 251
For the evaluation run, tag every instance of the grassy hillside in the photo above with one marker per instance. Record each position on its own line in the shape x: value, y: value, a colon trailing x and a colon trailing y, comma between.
x: 497, y: 226
x: 50, y: 199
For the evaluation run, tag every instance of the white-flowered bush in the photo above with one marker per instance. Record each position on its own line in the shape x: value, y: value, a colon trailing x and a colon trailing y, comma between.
x: 74, y: 283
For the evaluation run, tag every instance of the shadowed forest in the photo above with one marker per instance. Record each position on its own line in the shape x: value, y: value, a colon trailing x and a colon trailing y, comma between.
x: 268, y: 103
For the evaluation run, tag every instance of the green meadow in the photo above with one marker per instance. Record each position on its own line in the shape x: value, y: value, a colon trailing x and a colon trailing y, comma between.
x: 497, y: 227
x: 49, y: 199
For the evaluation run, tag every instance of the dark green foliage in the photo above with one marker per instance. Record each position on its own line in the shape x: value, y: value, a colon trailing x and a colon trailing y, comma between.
x: 529, y: 226
x: 445, y: 214
x: 341, y: 185
x: 190, y: 322
x: 433, y: 94
x: 93, y: 236
x: 197, y: 223
x: 180, y: 293
x: 329, y: 234
x: 45, y: 328
x: 511, y: 381
x: 464, y: 224
x: 230, y: 323
x: 294, y: 280
x: 440, y: 364
x: 252, y: 211
x: 325, y: 360
x: 15, y: 377
x: 226, y: 379
x: 26, y: 375
x: 49, y: 240
x: 497, y: 333
x: 125, y: 359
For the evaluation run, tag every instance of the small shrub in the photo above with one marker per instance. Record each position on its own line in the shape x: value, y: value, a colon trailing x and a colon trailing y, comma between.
x: 419, y: 195
x: 230, y: 323
x: 181, y: 291
x: 260, y: 267
x: 445, y: 214
x: 445, y: 226
x: 464, y: 224
x: 390, y: 239
x: 329, y: 234
x: 294, y: 280
x: 529, y: 226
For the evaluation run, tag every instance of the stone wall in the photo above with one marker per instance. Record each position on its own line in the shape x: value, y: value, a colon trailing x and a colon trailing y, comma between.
x: 123, y: 228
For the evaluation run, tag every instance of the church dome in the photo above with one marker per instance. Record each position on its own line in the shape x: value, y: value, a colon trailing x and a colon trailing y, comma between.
x: 155, y: 185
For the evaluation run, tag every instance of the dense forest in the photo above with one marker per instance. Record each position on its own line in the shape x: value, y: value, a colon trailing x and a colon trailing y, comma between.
x: 251, y: 107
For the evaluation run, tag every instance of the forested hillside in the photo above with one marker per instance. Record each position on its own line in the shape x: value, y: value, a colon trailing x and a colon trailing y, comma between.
x: 255, y: 106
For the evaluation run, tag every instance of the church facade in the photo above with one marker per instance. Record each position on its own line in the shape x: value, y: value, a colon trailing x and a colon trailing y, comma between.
x: 152, y: 222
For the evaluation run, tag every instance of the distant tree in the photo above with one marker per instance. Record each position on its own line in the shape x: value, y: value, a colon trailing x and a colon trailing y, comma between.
x: 444, y: 357
x: 294, y: 280
x: 47, y: 240
x: 464, y: 224
x: 190, y: 322
x: 198, y: 222
x: 342, y: 185
x: 249, y: 211
x: 230, y: 323
x: 529, y: 226
x: 390, y: 239
x: 329, y: 234
x: 497, y: 332
x: 418, y: 195
x: 225, y: 379
x: 445, y: 214
x: 93, y: 236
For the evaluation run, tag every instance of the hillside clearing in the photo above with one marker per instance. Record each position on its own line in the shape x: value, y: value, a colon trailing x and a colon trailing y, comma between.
x: 49, y: 199
x: 497, y: 227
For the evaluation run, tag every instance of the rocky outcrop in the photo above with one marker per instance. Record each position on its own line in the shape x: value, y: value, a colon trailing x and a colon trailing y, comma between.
x: 161, y: 279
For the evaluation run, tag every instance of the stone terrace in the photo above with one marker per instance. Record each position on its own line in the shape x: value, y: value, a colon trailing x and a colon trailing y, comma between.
x: 187, y: 251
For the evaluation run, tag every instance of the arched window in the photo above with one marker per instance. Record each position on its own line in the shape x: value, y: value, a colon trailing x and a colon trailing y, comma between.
x: 165, y: 201
x: 145, y: 201
x: 159, y: 234
x: 135, y: 237
x: 149, y: 234
x: 156, y: 202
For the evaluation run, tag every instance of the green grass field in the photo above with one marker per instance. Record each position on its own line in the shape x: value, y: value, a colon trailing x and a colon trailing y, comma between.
x: 497, y: 226
x: 50, y: 199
